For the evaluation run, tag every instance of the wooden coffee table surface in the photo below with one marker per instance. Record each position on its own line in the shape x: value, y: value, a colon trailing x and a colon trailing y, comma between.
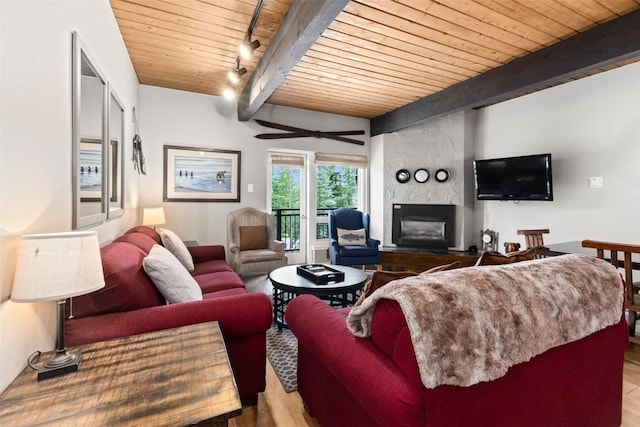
x: 172, y: 377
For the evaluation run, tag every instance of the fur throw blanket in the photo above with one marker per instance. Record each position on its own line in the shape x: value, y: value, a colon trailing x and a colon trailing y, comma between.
x: 471, y: 324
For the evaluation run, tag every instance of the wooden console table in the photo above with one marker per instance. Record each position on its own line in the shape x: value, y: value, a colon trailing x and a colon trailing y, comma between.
x: 419, y: 260
x: 172, y: 377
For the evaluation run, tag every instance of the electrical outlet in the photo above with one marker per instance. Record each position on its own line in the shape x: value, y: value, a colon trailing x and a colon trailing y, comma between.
x: 595, y: 182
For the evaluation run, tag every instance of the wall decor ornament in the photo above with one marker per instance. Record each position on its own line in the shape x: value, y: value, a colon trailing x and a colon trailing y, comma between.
x: 193, y: 174
x: 403, y: 176
x: 421, y: 175
x: 442, y: 175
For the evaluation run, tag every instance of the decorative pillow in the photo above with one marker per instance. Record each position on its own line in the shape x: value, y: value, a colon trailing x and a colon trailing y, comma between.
x: 176, y: 246
x: 496, y: 258
x: 170, y: 277
x: 451, y: 266
x: 253, y: 237
x: 381, y: 278
x: 352, y: 237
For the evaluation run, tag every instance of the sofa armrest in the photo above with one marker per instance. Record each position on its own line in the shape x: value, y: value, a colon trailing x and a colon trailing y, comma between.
x: 356, y: 363
x: 206, y: 253
x: 238, y: 315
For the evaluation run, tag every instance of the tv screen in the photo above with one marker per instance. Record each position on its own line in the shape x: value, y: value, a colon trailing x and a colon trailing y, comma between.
x: 514, y: 178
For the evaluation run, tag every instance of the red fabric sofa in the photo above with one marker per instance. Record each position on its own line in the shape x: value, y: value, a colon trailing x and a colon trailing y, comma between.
x: 349, y: 381
x: 130, y: 304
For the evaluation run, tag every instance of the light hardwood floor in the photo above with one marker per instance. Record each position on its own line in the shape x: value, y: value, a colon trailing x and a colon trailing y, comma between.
x: 276, y: 408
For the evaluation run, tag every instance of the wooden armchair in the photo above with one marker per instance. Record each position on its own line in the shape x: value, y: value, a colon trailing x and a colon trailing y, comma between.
x: 620, y: 255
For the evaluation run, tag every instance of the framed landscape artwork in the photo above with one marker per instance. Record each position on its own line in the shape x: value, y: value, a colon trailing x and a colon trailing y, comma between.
x: 193, y: 174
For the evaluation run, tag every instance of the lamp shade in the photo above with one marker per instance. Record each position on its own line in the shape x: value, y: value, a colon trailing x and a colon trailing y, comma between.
x: 153, y: 216
x: 57, y: 266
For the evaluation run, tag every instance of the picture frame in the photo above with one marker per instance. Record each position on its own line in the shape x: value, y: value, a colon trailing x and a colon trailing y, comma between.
x: 198, y: 174
x: 90, y: 172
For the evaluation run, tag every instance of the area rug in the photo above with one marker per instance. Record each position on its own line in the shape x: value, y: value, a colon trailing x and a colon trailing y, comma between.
x: 282, y: 352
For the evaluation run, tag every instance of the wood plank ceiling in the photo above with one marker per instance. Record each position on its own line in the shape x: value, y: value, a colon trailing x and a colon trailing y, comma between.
x: 376, y: 56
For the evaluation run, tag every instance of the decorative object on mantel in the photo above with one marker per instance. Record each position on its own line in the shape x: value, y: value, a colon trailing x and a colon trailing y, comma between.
x: 57, y: 266
x: 421, y: 175
x: 138, y: 157
x: 442, y: 175
x: 489, y: 240
x: 403, y: 176
x: 294, y: 132
x: 511, y: 247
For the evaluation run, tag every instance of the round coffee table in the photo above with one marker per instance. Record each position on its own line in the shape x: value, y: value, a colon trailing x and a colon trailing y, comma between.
x: 288, y: 284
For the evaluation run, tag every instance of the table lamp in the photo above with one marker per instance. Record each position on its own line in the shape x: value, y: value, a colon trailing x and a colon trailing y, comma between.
x: 57, y: 266
x: 153, y: 216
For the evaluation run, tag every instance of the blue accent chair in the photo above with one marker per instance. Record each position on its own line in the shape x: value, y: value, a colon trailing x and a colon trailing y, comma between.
x: 351, y: 219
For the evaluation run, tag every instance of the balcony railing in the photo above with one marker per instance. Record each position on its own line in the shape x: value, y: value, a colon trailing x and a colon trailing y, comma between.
x: 288, y: 226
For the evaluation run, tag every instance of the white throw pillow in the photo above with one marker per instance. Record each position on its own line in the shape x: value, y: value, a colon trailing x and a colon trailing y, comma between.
x: 170, y: 277
x: 352, y: 237
x: 176, y: 246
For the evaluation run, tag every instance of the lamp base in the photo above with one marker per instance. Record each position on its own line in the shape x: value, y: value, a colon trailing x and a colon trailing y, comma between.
x: 62, y: 363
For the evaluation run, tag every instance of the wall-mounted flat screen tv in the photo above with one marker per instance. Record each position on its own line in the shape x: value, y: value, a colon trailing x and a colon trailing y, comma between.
x: 514, y: 178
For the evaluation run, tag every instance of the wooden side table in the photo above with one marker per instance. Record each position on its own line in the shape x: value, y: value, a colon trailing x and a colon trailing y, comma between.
x: 172, y: 377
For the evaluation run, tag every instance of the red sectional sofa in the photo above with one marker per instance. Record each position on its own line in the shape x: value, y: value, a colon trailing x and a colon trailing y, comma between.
x: 130, y: 304
x: 345, y: 380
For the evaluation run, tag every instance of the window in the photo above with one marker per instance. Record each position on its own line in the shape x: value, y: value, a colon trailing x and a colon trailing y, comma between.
x: 339, y: 184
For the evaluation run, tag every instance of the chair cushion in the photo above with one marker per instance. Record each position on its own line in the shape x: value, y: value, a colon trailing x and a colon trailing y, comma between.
x: 253, y: 237
x: 170, y: 277
x: 259, y: 255
x: 359, y: 251
x: 352, y: 237
x: 496, y: 258
x: 176, y: 246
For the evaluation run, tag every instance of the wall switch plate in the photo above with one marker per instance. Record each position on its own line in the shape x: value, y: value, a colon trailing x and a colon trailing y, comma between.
x: 250, y: 188
x: 595, y: 182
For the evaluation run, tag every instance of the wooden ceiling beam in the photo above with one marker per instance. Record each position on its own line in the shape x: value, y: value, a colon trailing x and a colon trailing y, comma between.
x: 303, y: 24
x: 609, y: 43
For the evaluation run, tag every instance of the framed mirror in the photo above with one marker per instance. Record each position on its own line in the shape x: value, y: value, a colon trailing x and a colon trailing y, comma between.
x: 115, y: 158
x: 89, y: 136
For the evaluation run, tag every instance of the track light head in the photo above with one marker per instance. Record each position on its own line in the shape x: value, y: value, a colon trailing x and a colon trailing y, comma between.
x: 247, y: 47
x: 236, y: 75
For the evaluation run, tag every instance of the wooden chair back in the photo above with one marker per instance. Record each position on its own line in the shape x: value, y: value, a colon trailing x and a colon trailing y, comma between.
x: 533, y: 238
x: 620, y: 255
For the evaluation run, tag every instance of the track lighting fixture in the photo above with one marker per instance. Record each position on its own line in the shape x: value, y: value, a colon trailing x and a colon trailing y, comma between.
x: 236, y: 74
x: 247, y: 47
x: 246, y: 50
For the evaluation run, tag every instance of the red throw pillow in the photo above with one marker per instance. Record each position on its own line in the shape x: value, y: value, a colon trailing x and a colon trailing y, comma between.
x: 253, y: 237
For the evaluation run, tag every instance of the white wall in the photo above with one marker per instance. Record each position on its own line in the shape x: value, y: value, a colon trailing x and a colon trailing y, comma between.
x: 592, y: 129
x: 171, y: 117
x: 35, y: 145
